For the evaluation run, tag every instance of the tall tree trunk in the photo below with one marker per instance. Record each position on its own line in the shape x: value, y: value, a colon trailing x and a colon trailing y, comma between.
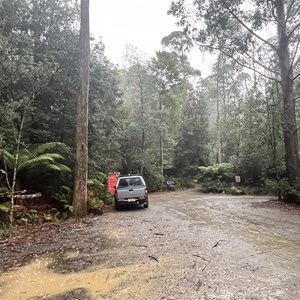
x: 81, y: 164
x: 143, y: 129
x: 289, y: 115
x: 161, y: 147
x: 219, y: 154
x: 16, y: 165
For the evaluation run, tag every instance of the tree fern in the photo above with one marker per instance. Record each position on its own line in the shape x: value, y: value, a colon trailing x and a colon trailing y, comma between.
x: 42, y: 148
x: 43, y: 159
x: 221, y: 172
x: 7, y: 158
x: 33, y: 161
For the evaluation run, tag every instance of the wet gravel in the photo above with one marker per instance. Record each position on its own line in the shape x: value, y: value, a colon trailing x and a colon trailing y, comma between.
x: 186, y: 245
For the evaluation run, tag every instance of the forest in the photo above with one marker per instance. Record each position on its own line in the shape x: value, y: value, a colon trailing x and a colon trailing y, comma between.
x: 234, y: 131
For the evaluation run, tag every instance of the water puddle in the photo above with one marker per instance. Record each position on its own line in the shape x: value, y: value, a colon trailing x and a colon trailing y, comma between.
x: 38, y: 280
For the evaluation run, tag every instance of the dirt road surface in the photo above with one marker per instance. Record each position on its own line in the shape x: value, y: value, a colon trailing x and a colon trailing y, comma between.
x: 185, y: 246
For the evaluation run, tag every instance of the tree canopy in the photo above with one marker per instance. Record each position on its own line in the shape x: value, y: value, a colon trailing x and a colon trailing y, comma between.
x: 155, y: 115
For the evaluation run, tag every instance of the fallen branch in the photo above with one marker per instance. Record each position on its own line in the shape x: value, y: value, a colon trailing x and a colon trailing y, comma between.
x: 152, y: 257
x: 217, y: 243
x: 29, y: 196
x: 16, y: 192
x: 36, y: 195
x: 141, y: 246
x: 200, y: 257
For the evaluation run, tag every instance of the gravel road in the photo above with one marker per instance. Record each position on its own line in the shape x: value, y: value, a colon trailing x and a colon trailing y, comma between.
x: 185, y: 246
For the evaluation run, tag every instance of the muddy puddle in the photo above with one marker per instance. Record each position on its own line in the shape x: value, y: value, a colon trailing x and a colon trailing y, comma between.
x: 45, y: 277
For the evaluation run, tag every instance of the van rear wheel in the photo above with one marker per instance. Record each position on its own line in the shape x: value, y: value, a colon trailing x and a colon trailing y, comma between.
x: 117, y: 206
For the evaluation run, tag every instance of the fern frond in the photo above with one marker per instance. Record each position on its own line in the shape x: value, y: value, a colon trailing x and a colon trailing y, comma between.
x: 94, y: 182
x: 36, y: 161
x: 24, y: 155
x: 53, y: 167
x: 59, y: 168
x: 8, y: 158
x: 40, y: 149
x: 63, y: 168
x: 53, y: 155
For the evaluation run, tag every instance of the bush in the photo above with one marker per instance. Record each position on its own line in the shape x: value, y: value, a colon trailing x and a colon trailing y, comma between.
x: 288, y: 193
x: 99, y: 191
x: 4, y: 213
x: 217, y: 173
x: 221, y: 187
x: 184, y: 183
x: 236, y: 191
x: 64, y: 200
x: 95, y: 206
x: 214, y: 187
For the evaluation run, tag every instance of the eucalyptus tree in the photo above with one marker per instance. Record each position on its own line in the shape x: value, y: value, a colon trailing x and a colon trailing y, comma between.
x: 190, y: 115
x: 261, y: 145
x: 237, y: 28
x: 191, y: 147
x: 229, y: 84
x: 180, y: 44
x: 139, y: 93
x: 81, y: 156
x: 165, y: 70
x: 104, y: 119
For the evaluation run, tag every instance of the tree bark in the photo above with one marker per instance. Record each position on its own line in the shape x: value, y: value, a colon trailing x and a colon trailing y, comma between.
x: 289, y: 115
x: 143, y: 117
x: 81, y: 163
x: 161, y: 147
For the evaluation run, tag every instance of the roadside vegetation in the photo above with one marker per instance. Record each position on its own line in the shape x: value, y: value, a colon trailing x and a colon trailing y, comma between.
x: 230, y: 132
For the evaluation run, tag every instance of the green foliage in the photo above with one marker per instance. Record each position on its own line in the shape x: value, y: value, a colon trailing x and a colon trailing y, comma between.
x: 214, y: 186
x: 218, y: 178
x: 181, y: 183
x: 288, y: 193
x: 233, y: 190
x: 5, y: 207
x: 248, y: 121
x: 30, y: 216
x: 99, y: 191
x: 64, y: 199
x: 221, y: 172
x: 154, y: 114
x: 52, y: 215
x: 104, y: 105
x: 35, y: 165
x: 95, y: 205
x: 191, y: 148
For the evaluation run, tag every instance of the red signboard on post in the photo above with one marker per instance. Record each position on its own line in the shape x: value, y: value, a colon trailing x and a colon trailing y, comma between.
x: 111, y: 181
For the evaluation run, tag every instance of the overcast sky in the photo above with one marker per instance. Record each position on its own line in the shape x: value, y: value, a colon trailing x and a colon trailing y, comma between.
x: 141, y: 23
